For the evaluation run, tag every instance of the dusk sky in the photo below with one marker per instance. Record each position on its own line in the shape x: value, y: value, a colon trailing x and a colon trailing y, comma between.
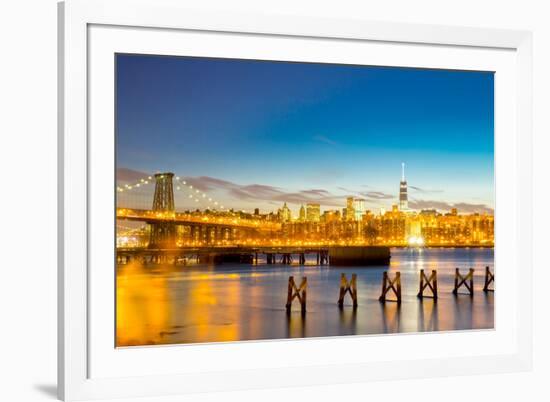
x: 259, y: 133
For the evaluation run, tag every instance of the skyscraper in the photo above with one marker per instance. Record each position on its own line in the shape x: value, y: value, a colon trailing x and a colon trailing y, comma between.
x: 403, y: 199
x: 359, y: 207
x: 350, y: 210
x: 313, y: 212
x: 286, y: 214
x: 302, y: 217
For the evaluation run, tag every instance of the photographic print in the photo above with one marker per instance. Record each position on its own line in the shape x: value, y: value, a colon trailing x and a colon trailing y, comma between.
x: 264, y: 200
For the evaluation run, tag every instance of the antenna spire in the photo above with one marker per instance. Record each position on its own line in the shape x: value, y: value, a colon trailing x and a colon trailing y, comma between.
x: 402, y: 171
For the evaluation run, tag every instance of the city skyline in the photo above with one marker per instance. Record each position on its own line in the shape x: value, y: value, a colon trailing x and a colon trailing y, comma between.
x: 376, y: 203
x: 255, y: 134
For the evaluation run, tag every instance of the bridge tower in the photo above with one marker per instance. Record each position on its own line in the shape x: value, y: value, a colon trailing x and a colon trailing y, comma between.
x: 163, y: 235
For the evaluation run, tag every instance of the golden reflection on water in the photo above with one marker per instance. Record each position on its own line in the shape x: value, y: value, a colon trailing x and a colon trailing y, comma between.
x: 167, y: 304
x: 144, y: 307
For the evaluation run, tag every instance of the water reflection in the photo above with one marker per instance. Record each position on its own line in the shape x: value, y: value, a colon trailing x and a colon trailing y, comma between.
x: 427, y: 315
x: 166, y: 304
x: 391, y: 314
x: 296, y: 325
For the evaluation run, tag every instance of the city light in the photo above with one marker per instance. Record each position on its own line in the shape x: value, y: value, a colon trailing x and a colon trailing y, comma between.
x: 350, y: 225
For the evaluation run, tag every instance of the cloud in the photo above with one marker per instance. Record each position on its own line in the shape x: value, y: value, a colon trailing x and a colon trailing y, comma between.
x: 423, y: 190
x: 347, y: 190
x: 130, y: 175
x: 377, y: 195
x: 262, y: 192
x: 444, y: 206
x: 324, y: 139
x: 255, y: 191
x: 207, y: 183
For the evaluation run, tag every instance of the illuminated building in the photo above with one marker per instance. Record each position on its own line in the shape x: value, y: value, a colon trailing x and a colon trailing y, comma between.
x: 351, y: 225
x: 286, y: 214
x: 350, y: 210
x: 313, y: 212
x: 403, y: 199
x: 302, y: 216
x: 359, y: 207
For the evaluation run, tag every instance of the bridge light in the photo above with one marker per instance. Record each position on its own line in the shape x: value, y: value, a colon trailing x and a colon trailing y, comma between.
x: 177, y: 188
x: 137, y: 185
x: 184, y: 182
x: 190, y: 186
x: 150, y: 178
x: 177, y: 177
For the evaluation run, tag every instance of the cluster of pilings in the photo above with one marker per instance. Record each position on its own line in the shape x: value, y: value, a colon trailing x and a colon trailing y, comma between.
x: 124, y: 259
x: 391, y: 287
x: 288, y: 258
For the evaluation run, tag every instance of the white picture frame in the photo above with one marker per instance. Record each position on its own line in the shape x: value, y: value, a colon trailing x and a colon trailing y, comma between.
x: 80, y: 330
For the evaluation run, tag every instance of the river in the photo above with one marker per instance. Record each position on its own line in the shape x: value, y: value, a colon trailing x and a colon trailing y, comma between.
x: 167, y: 304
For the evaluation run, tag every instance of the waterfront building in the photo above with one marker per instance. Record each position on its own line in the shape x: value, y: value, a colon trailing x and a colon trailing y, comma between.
x: 359, y: 207
x: 286, y: 214
x: 403, y: 198
x: 350, y: 210
x: 313, y: 212
x: 302, y: 215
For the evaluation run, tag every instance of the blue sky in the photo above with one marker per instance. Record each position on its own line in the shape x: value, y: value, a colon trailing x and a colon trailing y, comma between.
x: 258, y: 133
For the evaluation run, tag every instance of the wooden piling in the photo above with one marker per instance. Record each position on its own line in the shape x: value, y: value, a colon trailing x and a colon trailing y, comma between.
x: 428, y: 282
x: 391, y: 284
x: 296, y: 292
x: 286, y: 259
x: 346, y: 287
x: 323, y: 256
x: 466, y: 280
x: 489, y: 278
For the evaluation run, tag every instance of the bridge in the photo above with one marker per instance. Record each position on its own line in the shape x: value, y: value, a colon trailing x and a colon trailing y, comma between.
x: 218, y: 232
x: 212, y: 226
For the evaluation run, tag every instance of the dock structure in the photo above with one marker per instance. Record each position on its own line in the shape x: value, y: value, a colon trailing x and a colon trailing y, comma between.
x: 324, y: 255
x: 299, y: 292
x: 359, y: 255
x: 348, y: 287
x: 466, y: 280
x: 391, y: 284
x: 428, y: 282
x: 489, y: 278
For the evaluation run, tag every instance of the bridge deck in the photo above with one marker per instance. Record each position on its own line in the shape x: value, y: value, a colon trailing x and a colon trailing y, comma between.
x: 179, y: 218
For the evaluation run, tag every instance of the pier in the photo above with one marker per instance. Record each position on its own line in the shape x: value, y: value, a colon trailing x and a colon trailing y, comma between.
x: 352, y: 255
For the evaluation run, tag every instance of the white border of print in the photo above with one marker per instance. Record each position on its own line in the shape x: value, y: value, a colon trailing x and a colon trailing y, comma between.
x: 104, y: 42
x: 90, y: 366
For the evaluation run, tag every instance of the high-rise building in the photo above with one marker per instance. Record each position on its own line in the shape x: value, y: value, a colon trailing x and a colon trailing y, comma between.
x: 286, y: 215
x: 359, y: 207
x: 350, y: 210
x: 403, y: 199
x: 313, y: 212
x: 302, y: 216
